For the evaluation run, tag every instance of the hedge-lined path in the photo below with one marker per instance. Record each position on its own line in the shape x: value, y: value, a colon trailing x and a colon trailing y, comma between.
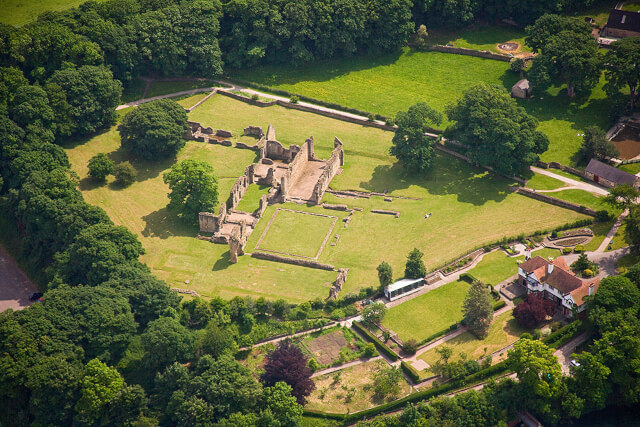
x: 344, y: 366
x: 564, y: 353
x: 591, y: 188
x: 612, y: 232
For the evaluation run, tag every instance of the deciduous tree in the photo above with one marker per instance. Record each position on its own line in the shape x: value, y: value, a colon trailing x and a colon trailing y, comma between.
x: 100, y: 166
x: 194, y: 189
x: 166, y: 341
x: 410, y: 144
x: 287, y: 363
x: 533, y: 311
x: 154, y: 130
x: 373, y: 314
x: 497, y: 130
x: 125, y: 173
x: 595, y: 145
x: 622, y: 196
x: 549, y: 25
x: 622, y: 68
x: 385, y: 274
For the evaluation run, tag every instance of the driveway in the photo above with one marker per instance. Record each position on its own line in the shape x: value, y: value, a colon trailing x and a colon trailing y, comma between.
x: 15, y: 286
x: 592, y: 188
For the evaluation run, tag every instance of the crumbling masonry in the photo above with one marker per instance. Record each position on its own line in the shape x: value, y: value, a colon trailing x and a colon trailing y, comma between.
x: 294, y: 175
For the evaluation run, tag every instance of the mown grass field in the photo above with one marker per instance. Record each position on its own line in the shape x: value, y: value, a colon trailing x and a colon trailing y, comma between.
x: 479, y: 37
x: 20, y: 12
x: 389, y: 83
x: 504, y: 331
x: 296, y: 233
x: 470, y: 207
x: 429, y: 313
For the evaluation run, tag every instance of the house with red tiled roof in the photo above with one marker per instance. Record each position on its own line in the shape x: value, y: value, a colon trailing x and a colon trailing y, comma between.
x: 554, y: 280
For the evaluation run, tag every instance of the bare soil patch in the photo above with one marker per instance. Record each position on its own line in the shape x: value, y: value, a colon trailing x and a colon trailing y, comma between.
x: 326, y: 348
x: 509, y: 47
x: 628, y: 142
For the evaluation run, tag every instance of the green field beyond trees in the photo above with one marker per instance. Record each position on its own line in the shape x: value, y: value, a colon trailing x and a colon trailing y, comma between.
x: 390, y: 83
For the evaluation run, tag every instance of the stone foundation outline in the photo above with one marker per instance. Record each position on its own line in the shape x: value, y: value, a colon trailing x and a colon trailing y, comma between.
x: 324, y: 242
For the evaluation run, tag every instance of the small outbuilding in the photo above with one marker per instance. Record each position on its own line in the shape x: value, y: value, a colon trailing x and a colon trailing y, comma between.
x: 609, y: 176
x: 521, y: 90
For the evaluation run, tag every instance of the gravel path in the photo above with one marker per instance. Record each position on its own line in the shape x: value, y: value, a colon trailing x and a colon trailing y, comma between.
x: 592, y: 188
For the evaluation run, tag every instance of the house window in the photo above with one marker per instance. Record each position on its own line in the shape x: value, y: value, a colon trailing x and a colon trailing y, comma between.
x: 624, y: 17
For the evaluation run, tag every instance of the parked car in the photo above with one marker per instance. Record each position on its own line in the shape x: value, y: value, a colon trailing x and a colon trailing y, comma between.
x: 35, y: 296
x: 575, y: 363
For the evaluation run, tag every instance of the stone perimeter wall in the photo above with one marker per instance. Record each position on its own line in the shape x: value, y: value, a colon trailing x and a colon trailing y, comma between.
x: 469, y: 52
x: 294, y: 261
x: 552, y: 200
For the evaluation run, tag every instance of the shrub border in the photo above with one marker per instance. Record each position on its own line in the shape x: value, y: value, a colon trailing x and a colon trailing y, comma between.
x: 382, y: 347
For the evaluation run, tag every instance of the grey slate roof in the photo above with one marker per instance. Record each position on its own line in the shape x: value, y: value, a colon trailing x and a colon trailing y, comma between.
x: 610, y: 173
x: 523, y: 84
x: 624, y: 20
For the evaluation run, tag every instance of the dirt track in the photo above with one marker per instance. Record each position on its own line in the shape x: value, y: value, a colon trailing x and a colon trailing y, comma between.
x: 15, y: 286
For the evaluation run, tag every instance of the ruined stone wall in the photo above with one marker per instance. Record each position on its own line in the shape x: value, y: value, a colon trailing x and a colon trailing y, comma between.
x: 275, y: 150
x: 470, y: 52
x: 552, y: 200
x: 253, y: 131
x: 295, y: 261
x: 210, y: 223
x: 271, y: 133
x: 300, y: 161
x: 238, y: 190
x: 333, y: 164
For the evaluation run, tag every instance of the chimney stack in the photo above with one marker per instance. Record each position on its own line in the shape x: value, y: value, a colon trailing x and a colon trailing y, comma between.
x: 590, y: 290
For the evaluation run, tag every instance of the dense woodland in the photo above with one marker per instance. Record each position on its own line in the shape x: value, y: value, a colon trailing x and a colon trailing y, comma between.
x: 111, y: 344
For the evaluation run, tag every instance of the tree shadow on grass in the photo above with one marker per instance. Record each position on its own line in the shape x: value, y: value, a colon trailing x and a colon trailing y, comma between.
x: 223, y: 262
x: 448, y: 176
x: 164, y: 224
x: 88, y: 183
x: 146, y: 169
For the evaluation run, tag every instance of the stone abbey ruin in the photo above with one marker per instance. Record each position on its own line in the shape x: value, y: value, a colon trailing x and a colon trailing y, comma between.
x: 293, y: 174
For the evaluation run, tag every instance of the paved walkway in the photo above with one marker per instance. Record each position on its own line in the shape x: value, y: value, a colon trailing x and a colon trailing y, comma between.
x: 15, y: 286
x: 592, y: 188
x: 612, y: 232
x: 169, y: 95
x: 564, y: 353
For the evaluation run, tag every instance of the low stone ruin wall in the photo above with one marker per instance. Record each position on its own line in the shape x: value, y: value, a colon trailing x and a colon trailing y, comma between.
x: 470, y: 52
x: 385, y: 212
x: 239, y: 188
x: 294, y: 261
x: 199, y: 103
x: 552, y: 200
x: 211, y: 223
x: 253, y: 131
x: 275, y: 150
x: 333, y: 165
x: 338, y: 283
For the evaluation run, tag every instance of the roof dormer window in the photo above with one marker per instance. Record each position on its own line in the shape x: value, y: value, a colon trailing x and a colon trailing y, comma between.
x: 624, y: 17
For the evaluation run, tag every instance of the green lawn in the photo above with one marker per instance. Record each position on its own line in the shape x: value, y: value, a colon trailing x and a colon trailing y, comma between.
x: 497, y: 266
x: 584, y: 198
x: 600, y: 230
x: 166, y: 87
x: 251, y: 199
x: 544, y: 182
x: 504, y: 331
x: 633, y: 6
x: 389, y: 83
x: 20, y: 12
x: 133, y: 91
x: 619, y: 240
x: 479, y: 37
x: 632, y: 168
x: 465, y: 202
x: 429, y: 313
x: 295, y: 233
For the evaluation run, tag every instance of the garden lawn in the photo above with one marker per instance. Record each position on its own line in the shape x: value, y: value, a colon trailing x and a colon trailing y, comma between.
x: 504, y: 331
x: 497, y: 266
x: 295, y: 233
x: 584, y: 198
x: 356, y: 377
x: 20, y: 12
x: 386, y: 84
x: 251, y: 199
x: 544, y: 182
x: 619, y: 241
x: 429, y: 313
x: 480, y: 37
x: 632, y: 168
x: 600, y: 230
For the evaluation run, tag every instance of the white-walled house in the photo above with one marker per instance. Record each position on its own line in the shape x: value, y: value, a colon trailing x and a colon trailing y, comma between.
x: 553, y: 280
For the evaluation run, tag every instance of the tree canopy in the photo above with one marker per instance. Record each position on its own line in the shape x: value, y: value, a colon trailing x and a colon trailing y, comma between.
x: 415, y: 268
x: 287, y: 363
x: 478, y: 309
x: 596, y: 145
x: 499, y: 133
x: 154, y: 130
x: 194, y: 189
x: 622, y: 68
x: 410, y: 144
